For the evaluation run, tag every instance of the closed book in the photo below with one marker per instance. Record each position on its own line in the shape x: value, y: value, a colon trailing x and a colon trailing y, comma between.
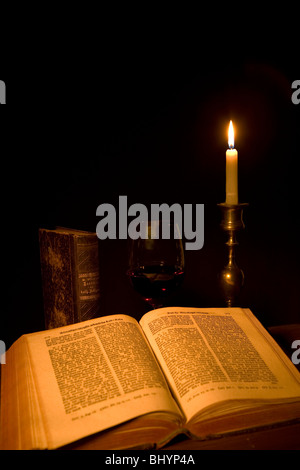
x: 70, y: 276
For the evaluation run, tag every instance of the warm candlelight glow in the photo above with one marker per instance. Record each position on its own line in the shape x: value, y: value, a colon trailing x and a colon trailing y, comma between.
x: 231, y: 169
x: 231, y: 136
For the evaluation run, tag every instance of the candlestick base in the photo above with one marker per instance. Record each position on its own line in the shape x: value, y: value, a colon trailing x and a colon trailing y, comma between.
x: 231, y: 278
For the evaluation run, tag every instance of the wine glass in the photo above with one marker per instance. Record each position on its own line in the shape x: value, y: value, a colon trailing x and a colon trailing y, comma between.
x: 156, y: 265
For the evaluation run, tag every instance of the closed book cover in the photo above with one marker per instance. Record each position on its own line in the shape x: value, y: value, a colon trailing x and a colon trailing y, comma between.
x: 70, y: 276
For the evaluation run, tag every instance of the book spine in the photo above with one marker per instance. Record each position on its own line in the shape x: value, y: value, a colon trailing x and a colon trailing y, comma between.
x: 87, y: 277
x: 70, y: 277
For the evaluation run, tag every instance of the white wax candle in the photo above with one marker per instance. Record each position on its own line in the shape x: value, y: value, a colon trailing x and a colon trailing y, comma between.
x: 231, y: 170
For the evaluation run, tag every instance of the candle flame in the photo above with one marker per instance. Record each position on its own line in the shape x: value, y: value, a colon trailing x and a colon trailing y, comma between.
x: 231, y: 136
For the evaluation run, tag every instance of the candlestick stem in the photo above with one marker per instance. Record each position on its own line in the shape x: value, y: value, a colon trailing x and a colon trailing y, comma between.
x: 231, y: 278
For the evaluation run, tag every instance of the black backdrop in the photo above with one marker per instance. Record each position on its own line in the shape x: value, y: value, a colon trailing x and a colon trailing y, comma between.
x: 147, y: 117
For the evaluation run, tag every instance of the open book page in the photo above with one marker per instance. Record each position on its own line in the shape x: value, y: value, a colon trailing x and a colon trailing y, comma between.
x: 216, y: 355
x: 94, y: 375
x: 21, y: 424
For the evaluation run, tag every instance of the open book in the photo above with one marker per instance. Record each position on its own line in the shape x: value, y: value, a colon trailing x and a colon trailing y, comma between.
x: 124, y: 384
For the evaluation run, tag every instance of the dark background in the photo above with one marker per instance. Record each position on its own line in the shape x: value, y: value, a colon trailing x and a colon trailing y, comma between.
x: 144, y: 114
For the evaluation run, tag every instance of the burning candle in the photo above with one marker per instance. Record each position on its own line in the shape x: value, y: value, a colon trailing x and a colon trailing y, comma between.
x: 231, y: 169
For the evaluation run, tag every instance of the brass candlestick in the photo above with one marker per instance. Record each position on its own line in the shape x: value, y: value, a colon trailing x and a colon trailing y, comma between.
x: 231, y: 278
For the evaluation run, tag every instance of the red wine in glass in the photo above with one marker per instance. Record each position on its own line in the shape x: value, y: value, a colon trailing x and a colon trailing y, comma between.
x: 156, y: 265
x: 155, y: 283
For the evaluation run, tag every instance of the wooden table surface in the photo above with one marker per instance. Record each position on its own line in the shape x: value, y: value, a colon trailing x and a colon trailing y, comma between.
x: 278, y: 438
